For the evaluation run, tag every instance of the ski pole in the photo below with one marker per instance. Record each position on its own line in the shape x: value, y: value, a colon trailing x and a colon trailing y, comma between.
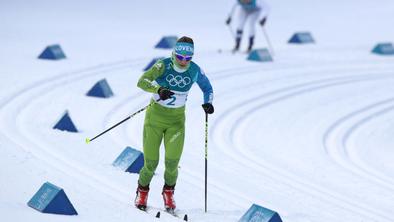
x: 124, y: 120
x: 206, y: 158
x: 231, y: 31
x: 268, y: 42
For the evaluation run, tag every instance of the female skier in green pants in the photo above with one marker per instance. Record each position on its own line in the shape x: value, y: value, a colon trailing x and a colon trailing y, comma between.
x: 169, y: 80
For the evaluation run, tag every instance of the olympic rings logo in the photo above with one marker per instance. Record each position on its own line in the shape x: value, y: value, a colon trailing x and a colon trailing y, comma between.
x: 178, y: 80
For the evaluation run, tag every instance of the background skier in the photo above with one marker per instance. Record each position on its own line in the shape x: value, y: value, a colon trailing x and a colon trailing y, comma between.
x: 169, y: 80
x: 254, y: 10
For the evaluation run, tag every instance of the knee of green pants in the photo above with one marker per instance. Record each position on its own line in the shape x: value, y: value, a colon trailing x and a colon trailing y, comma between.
x: 171, y: 171
x: 147, y: 172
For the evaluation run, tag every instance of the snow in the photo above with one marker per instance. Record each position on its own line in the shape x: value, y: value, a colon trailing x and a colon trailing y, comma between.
x: 308, y: 135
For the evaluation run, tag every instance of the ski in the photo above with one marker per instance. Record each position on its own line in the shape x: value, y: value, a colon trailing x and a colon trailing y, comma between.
x: 173, y: 213
x: 232, y: 52
x: 156, y: 212
x: 150, y: 210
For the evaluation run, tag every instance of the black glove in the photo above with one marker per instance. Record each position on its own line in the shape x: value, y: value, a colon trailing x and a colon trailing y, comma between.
x: 228, y: 21
x: 208, y: 108
x: 164, y: 93
x: 262, y: 21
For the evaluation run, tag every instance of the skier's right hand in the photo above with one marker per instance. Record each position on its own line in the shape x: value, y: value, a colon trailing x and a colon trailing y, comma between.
x: 228, y: 21
x: 262, y: 21
x: 164, y: 93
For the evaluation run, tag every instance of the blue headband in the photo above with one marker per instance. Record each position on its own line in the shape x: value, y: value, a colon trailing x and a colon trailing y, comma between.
x: 184, y: 48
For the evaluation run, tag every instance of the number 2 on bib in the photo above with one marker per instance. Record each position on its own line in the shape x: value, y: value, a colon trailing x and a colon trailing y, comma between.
x: 172, y: 101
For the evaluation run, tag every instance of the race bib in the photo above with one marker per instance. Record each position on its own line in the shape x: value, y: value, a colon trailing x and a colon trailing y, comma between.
x: 177, y: 100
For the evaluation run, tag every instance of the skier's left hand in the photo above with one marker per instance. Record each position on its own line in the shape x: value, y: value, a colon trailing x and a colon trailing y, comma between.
x: 262, y: 21
x: 208, y: 108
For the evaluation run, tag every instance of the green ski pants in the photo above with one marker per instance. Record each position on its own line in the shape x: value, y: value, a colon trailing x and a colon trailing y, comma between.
x: 168, y: 124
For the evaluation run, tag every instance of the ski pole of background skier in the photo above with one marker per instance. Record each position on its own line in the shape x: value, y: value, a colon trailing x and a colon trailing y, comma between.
x: 231, y: 30
x: 271, y: 49
x: 228, y: 21
x: 206, y: 158
x: 117, y: 124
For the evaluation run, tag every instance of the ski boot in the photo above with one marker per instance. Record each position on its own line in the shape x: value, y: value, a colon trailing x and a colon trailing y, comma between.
x: 237, y: 41
x: 141, y: 197
x: 251, y: 41
x: 168, y: 197
x: 236, y: 47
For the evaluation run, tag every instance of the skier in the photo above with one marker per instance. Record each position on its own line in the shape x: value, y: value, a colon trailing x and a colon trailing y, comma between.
x: 255, y: 10
x: 169, y: 80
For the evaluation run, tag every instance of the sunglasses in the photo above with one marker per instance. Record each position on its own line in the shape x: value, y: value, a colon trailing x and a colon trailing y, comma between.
x: 183, y: 58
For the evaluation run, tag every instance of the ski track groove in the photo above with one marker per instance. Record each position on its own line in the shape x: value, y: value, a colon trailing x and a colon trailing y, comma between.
x: 339, y: 152
x: 353, y: 154
x: 250, y: 155
x: 256, y: 164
